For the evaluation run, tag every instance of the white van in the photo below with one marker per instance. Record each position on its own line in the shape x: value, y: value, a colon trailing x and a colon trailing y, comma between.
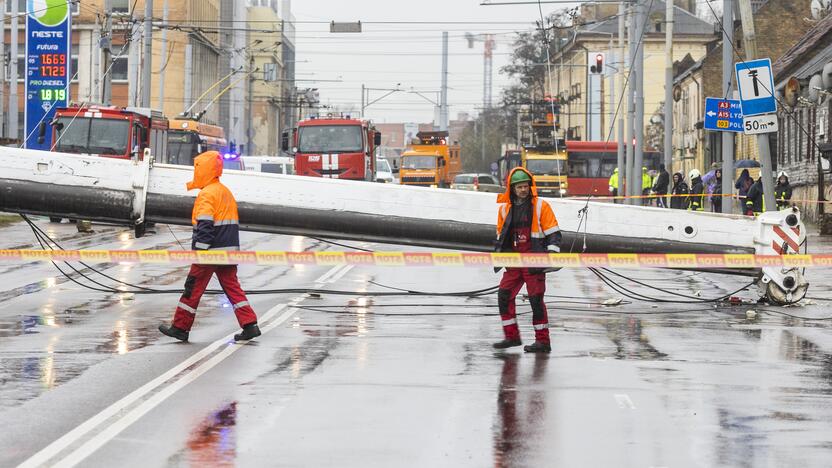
x: 270, y: 164
x: 384, y: 173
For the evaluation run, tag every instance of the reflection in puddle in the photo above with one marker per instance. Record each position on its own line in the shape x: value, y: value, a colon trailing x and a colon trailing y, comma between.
x: 630, y: 340
x: 214, y: 441
x: 521, y: 412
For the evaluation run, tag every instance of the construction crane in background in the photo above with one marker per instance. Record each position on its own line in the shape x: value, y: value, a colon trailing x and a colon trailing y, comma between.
x: 489, y: 44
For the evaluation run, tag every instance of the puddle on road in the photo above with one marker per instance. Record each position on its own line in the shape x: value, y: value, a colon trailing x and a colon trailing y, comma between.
x: 519, y: 429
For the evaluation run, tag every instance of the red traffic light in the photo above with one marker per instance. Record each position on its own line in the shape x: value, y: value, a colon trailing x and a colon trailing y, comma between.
x: 599, y: 64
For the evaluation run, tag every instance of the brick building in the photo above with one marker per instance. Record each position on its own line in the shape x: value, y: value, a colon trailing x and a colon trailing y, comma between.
x: 805, y: 135
x: 779, y: 24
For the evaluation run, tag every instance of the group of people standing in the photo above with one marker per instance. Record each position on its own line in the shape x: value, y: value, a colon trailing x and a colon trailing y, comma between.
x: 690, y: 194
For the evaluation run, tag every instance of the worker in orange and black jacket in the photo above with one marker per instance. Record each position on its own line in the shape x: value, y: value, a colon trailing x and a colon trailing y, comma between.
x: 216, y: 227
x: 525, y: 223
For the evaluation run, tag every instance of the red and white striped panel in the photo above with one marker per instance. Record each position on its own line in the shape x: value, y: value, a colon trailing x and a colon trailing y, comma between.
x: 786, y: 240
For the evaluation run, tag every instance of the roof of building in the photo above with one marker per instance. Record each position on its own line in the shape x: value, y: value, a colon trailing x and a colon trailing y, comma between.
x: 797, y: 61
x: 684, y: 23
x: 686, y: 67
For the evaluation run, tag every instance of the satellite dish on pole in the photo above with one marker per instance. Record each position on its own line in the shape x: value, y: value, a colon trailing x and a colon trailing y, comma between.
x: 791, y: 91
x: 815, y: 87
x: 820, y: 8
x: 826, y: 74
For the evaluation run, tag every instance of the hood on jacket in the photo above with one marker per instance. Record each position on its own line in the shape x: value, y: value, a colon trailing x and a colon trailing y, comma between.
x: 505, y: 197
x: 744, y: 174
x: 681, y: 177
x: 207, y: 170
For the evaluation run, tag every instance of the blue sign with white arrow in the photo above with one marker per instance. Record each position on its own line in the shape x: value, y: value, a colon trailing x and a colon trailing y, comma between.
x: 756, y: 86
x: 723, y: 115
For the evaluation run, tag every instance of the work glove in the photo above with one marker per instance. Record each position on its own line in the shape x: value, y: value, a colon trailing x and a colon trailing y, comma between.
x: 611, y: 189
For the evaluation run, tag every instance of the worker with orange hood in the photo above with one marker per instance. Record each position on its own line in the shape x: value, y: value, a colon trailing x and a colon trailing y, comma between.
x: 216, y: 227
x: 525, y: 223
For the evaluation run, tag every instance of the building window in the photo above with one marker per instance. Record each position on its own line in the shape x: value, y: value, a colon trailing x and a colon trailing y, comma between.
x: 119, y: 69
x: 121, y: 6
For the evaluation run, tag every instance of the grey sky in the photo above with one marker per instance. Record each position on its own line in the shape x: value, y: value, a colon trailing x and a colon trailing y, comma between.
x: 374, y: 56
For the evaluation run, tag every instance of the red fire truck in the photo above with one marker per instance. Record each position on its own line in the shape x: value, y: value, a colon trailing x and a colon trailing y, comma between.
x: 334, y: 147
x: 110, y: 131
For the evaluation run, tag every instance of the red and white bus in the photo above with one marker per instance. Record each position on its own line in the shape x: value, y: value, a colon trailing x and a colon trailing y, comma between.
x: 591, y: 163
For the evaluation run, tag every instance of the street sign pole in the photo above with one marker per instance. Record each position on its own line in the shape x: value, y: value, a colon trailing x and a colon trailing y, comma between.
x: 766, y: 168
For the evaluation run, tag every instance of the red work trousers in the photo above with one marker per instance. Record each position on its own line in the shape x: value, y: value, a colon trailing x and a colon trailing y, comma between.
x: 513, y: 280
x: 195, y: 285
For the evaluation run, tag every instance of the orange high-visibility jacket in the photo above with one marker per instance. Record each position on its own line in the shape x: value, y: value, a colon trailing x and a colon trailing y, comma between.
x: 214, y: 217
x: 545, y: 230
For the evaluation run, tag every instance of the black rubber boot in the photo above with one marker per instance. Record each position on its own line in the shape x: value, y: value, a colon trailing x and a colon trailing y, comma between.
x: 538, y: 347
x: 174, y: 332
x: 507, y: 344
x: 249, y: 331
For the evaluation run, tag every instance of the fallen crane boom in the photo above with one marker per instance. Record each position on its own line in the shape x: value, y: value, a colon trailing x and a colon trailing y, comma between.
x: 134, y: 192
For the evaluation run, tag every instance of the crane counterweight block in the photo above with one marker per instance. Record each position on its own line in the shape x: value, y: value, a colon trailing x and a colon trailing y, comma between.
x: 133, y: 192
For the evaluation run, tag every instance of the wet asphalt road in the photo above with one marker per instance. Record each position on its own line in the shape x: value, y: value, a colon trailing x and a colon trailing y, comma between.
x: 86, y: 379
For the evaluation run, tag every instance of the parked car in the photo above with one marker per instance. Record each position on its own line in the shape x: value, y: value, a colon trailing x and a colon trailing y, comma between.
x: 477, y: 182
x: 384, y: 173
x: 270, y: 164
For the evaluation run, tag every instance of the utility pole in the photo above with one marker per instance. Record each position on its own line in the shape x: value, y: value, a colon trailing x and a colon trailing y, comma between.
x: 727, y: 90
x: 622, y: 62
x: 668, y: 89
x: 249, y: 130
x: 763, y: 146
x: 2, y: 68
x: 641, y: 24
x: 189, y: 71
x: 13, y: 112
x: 133, y: 77
x: 443, y: 101
x: 163, y: 46
x: 106, y: 44
x: 147, y: 62
x: 631, y: 106
x: 94, y: 94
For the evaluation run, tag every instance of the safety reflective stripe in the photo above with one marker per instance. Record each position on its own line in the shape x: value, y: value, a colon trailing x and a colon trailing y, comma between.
x: 230, y: 247
x: 201, y: 245
x: 226, y: 222
x: 551, y: 230
x: 509, y: 322
x: 186, y: 307
x: 241, y: 304
x: 541, y: 326
x: 204, y: 218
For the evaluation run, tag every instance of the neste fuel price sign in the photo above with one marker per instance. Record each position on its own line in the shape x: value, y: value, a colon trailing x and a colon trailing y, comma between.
x: 48, y: 30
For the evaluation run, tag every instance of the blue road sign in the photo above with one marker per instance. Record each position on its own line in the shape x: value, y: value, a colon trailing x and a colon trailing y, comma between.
x: 756, y: 86
x: 48, y: 28
x: 723, y: 115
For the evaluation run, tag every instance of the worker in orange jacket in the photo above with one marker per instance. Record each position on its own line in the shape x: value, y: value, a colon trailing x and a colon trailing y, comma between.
x: 216, y: 227
x: 525, y: 223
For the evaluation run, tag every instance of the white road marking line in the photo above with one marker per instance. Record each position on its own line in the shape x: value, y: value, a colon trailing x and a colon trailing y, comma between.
x: 624, y: 401
x: 53, y: 449
x: 325, y: 277
x: 341, y: 274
